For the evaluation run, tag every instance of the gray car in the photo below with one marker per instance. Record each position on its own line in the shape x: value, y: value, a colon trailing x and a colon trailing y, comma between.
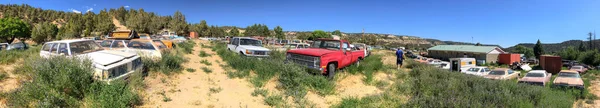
x: 16, y: 46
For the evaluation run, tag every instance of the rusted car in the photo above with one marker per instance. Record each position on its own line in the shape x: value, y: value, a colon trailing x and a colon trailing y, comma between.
x: 502, y: 74
x: 578, y: 68
x: 568, y: 78
x: 536, y: 77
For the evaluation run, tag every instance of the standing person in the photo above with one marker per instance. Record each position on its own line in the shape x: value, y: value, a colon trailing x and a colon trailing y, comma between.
x: 399, y: 57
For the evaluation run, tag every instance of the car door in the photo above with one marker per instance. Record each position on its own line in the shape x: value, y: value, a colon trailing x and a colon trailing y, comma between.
x: 347, y: 55
x: 485, y: 71
x: 232, y: 44
x: 54, y: 49
x: 45, y: 52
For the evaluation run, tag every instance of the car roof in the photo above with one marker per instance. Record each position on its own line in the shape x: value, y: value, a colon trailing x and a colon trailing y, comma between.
x: 537, y: 71
x: 69, y: 41
x: 569, y: 71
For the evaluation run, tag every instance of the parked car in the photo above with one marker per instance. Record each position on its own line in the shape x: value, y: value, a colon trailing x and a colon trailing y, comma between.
x: 502, y: 74
x: 143, y: 47
x: 478, y: 71
x: 293, y: 46
x: 568, y: 78
x: 3, y: 46
x: 578, y: 68
x: 364, y: 47
x: 536, y: 77
x: 248, y: 47
x: 444, y: 65
x: 108, y: 65
x: 326, y: 56
x: 18, y: 46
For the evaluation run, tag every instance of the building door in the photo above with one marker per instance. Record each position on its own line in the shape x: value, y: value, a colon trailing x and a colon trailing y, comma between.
x: 454, y: 66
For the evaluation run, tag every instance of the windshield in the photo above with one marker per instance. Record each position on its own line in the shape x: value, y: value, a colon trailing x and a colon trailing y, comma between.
x: 568, y: 74
x: 473, y: 70
x: 141, y: 45
x: 497, y: 73
x: 250, y: 42
x: 335, y: 45
x: 84, y: 47
x: 534, y: 75
x: 160, y: 44
x: 291, y: 46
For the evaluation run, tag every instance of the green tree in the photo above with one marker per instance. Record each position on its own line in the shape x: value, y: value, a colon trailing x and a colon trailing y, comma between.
x: 538, y: 50
x: 319, y: 34
x: 570, y: 53
x: 104, y: 24
x: 43, y: 32
x: 303, y: 35
x: 13, y: 28
x: 528, y: 52
x: 478, y: 44
x: 590, y: 57
x: 581, y: 46
x: 89, y: 24
x: 234, y: 31
x: 337, y: 32
x: 264, y: 30
x: 203, y: 28
x: 178, y: 23
x: 279, y: 32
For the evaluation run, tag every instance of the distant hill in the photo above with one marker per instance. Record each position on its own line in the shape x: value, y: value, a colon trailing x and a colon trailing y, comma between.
x: 555, y: 47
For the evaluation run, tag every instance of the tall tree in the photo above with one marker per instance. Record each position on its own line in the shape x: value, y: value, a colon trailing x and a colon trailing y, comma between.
x: 178, y: 23
x: 478, y: 44
x: 203, y: 28
x: 528, y: 52
x: 234, y: 31
x: 104, y: 23
x: 89, y: 24
x: 581, y: 46
x: 265, y: 31
x: 279, y: 32
x: 13, y: 28
x: 336, y: 32
x: 591, y: 43
x: 538, y: 50
x: 319, y: 34
x: 43, y: 32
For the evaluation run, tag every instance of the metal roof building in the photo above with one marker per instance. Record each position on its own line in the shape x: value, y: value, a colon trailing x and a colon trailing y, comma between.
x: 488, y: 54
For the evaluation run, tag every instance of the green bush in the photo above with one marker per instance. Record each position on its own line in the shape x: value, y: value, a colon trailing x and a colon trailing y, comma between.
x: 3, y: 76
x: 367, y: 67
x: 206, y: 69
x: 206, y: 62
x: 7, y: 57
x: 167, y: 64
x: 203, y: 54
x: 186, y: 46
x: 190, y: 70
x: 262, y: 92
x: 65, y: 82
x: 115, y: 95
x: 274, y: 100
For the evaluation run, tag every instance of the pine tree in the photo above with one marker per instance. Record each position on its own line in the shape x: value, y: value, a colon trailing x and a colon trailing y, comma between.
x: 538, y: 50
x: 279, y: 32
x: 234, y: 31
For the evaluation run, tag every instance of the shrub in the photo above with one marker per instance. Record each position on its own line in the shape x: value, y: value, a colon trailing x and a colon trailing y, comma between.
x: 274, y: 100
x: 206, y: 69
x: 167, y: 64
x: 64, y: 82
x: 12, y: 56
x: 238, y: 74
x: 186, y: 46
x: 215, y: 90
x: 3, y: 76
x: 206, y: 62
x: 203, y: 54
x: 262, y: 92
x: 190, y: 70
x: 368, y: 67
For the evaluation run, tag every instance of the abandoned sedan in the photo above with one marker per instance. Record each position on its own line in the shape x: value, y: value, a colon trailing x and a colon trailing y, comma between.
x: 536, y: 77
x: 502, y: 74
x: 108, y: 65
x: 568, y: 78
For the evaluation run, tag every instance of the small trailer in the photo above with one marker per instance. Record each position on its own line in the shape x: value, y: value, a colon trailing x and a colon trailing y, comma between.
x: 461, y: 64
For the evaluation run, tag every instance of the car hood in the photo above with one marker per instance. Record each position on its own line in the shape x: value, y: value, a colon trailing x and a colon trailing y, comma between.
x: 250, y: 47
x: 106, y: 57
x: 570, y: 81
x: 533, y: 79
x: 311, y: 51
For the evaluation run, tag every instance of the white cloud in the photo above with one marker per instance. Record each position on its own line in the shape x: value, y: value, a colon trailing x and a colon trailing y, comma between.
x: 94, y: 4
x: 90, y: 9
x: 76, y: 11
x: 126, y: 6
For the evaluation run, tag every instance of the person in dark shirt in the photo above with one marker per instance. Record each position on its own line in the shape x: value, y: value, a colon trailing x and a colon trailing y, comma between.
x: 399, y: 57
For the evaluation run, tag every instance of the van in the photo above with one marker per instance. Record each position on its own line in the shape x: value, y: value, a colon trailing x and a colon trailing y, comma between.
x: 461, y: 64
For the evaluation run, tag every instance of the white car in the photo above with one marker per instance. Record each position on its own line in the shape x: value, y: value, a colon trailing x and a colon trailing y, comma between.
x: 478, y: 71
x: 248, y: 47
x: 108, y: 65
x: 143, y: 47
x: 294, y: 46
x: 364, y: 47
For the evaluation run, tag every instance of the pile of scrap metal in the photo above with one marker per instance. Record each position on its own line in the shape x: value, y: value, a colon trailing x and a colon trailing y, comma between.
x: 520, y: 66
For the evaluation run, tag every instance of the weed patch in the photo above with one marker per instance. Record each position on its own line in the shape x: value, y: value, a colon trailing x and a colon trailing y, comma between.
x: 367, y: 67
x: 262, y: 92
x: 274, y: 100
x: 206, y: 70
x: 3, y: 76
x: 190, y: 70
x: 186, y: 46
x: 206, y: 62
x: 215, y: 90
x: 7, y: 57
x: 169, y: 63
x: 203, y: 54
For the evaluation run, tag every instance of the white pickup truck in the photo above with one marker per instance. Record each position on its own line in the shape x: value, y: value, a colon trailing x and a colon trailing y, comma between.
x: 248, y: 47
x: 108, y: 65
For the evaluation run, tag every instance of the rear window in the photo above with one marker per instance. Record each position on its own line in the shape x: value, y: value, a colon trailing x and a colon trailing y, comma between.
x: 473, y: 69
x: 141, y: 45
x: 84, y: 47
x: 160, y: 44
x: 534, y: 75
x: 568, y: 74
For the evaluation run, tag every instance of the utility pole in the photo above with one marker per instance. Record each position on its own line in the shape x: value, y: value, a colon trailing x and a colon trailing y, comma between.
x: 592, y: 41
x: 362, y: 38
x: 590, y: 38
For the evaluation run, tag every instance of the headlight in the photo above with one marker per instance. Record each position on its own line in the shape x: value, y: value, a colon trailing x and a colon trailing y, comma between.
x: 317, y: 61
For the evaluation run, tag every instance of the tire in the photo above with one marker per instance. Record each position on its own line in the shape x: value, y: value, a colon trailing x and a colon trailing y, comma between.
x: 242, y: 53
x: 330, y: 71
x: 358, y: 62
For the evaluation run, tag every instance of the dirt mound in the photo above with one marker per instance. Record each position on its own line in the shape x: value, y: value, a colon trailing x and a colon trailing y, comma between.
x: 200, y: 89
x: 118, y: 25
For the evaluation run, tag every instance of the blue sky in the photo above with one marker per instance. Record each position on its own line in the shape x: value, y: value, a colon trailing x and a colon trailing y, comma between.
x: 502, y: 22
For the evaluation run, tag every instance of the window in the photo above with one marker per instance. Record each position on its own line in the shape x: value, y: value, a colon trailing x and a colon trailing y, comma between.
x: 568, y: 74
x: 62, y: 49
x: 345, y: 45
x: 106, y: 43
x: 250, y: 42
x: 54, y: 48
x: 118, y: 44
x: 473, y: 69
x: 83, y: 47
x: 47, y: 46
x: 335, y: 45
x: 534, y: 75
x: 510, y: 71
x: 141, y: 45
x: 497, y: 73
x: 160, y: 44
x: 486, y: 69
x: 236, y: 41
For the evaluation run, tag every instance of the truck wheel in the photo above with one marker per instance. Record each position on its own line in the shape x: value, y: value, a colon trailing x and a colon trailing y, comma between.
x: 330, y: 71
x: 358, y: 62
x: 241, y: 53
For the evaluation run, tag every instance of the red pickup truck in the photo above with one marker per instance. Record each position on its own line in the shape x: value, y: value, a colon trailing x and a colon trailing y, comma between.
x: 326, y: 55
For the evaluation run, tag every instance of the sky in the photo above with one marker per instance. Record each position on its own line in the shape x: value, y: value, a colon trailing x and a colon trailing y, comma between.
x: 501, y: 22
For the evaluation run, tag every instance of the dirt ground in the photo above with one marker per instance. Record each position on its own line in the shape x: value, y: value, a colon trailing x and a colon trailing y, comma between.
x: 193, y: 89
x: 594, y: 89
x: 10, y: 83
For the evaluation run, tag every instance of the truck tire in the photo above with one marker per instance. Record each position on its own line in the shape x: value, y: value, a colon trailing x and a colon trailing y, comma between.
x: 330, y: 71
x: 242, y: 53
x: 358, y: 62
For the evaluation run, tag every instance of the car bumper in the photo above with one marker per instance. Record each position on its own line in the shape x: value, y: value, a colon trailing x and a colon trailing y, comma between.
x: 126, y: 75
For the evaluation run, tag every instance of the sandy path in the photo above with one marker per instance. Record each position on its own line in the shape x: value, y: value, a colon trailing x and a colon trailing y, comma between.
x: 118, y: 25
x: 193, y: 89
